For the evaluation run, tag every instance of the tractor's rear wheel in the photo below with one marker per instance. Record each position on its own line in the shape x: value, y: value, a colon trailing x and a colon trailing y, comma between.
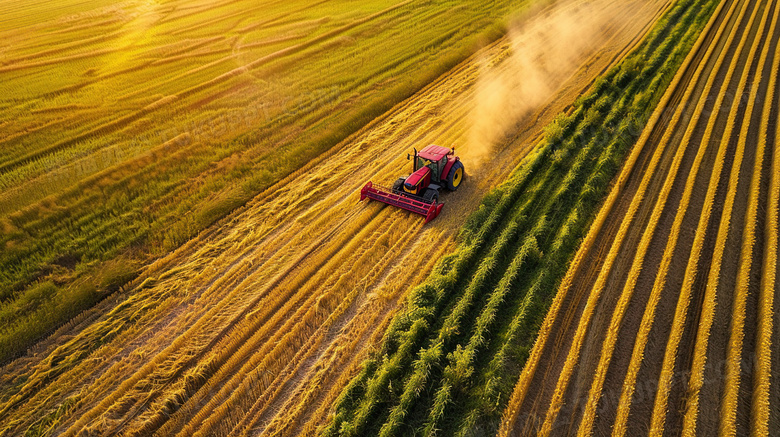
x: 455, y: 177
x: 431, y: 195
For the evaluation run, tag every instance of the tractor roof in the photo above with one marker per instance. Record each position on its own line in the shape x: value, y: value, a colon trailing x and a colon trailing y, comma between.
x: 433, y: 152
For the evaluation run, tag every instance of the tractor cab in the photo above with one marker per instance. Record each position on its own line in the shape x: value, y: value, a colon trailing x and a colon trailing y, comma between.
x: 434, y: 167
x: 435, y: 158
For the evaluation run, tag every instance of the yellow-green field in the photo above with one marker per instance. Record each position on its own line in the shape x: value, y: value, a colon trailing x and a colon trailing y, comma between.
x: 126, y: 128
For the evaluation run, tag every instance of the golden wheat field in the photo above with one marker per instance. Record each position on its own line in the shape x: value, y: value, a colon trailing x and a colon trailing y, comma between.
x: 183, y: 249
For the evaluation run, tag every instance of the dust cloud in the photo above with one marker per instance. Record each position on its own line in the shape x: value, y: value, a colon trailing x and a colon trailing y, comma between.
x: 545, y: 48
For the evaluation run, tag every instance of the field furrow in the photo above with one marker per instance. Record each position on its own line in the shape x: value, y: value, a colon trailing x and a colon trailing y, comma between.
x: 579, y: 278
x: 689, y: 299
x: 667, y: 329
x: 738, y: 288
x: 767, y: 392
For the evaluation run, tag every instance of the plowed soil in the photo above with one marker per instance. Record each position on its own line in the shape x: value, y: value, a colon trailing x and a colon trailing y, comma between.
x: 679, y: 320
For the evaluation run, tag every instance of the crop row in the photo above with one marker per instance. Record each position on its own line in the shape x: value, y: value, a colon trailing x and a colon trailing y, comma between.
x: 748, y: 253
x: 644, y: 244
x: 648, y: 318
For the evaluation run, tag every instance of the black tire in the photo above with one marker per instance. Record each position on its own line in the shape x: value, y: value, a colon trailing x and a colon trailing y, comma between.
x: 398, y: 185
x: 431, y: 195
x: 455, y: 177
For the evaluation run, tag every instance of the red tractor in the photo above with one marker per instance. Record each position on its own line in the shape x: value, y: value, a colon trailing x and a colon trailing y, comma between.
x: 434, y: 167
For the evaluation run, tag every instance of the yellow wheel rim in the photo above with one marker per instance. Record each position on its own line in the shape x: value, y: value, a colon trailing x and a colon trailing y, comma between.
x: 457, y: 177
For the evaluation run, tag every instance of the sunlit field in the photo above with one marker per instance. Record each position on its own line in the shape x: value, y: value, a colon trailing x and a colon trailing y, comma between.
x: 185, y: 251
x: 127, y: 128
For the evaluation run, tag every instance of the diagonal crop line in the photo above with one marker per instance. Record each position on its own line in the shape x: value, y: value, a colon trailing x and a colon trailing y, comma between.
x: 586, y: 426
x: 734, y: 348
x: 761, y: 406
x: 595, y: 293
x: 649, y: 315
x: 670, y: 355
x: 520, y: 392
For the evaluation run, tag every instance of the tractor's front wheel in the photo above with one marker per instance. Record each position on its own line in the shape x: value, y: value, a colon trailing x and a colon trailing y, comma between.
x: 455, y: 177
x: 431, y: 195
